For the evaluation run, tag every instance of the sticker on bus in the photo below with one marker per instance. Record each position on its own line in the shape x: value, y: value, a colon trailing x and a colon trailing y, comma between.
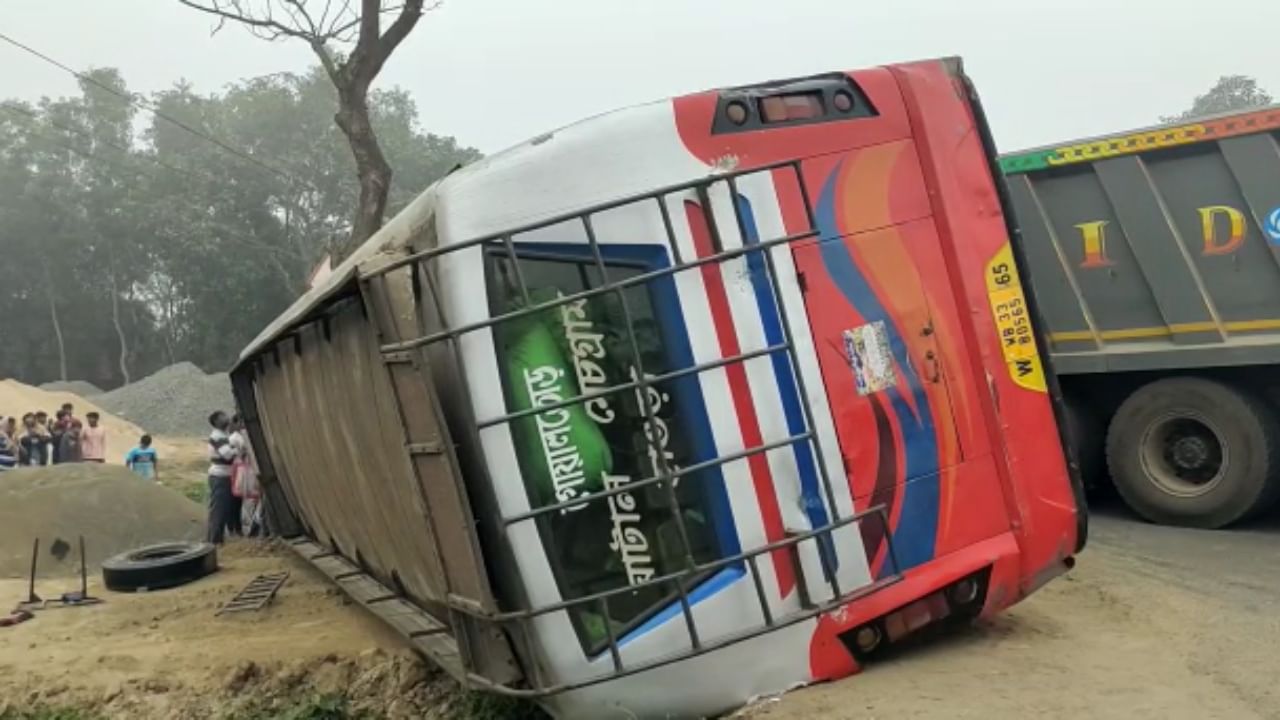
x: 867, y: 348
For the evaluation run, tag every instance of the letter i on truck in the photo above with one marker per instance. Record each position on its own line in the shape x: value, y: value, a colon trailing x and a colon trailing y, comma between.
x: 1156, y: 257
x: 684, y: 404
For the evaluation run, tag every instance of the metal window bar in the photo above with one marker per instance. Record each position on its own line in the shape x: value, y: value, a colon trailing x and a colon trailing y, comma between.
x: 379, y: 315
x: 631, y: 385
x: 661, y: 192
x: 634, y: 280
x: 710, y: 566
x: 747, y: 556
x: 880, y: 511
x: 655, y: 479
x: 423, y: 260
x: 651, y: 430
x: 789, y: 341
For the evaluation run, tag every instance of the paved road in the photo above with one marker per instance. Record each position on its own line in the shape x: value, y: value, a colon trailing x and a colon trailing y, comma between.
x: 1153, y: 622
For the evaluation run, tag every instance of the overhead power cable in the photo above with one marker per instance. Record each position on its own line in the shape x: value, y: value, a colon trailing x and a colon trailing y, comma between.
x: 234, y: 235
x: 147, y: 105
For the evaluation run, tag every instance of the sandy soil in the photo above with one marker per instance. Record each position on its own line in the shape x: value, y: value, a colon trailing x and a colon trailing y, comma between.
x: 1139, y: 629
x: 110, y: 507
x: 165, y: 654
x: 1153, y: 622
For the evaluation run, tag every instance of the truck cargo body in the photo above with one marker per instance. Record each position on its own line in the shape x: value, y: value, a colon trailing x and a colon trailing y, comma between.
x: 682, y: 405
x: 1155, y: 256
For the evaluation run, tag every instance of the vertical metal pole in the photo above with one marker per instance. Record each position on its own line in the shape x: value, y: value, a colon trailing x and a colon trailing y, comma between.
x: 527, y: 636
x: 84, y: 572
x: 694, y: 639
x: 650, y: 423
x: 676, y: 260
x: 455, y: 343
x: 811, y: 426
x: 806, y: 601
x: 614, y: 653
x: 515, y: 266
x: 804, y: 195
x: 708, y: 211
x: 31, y: 586
x: 754, y: 568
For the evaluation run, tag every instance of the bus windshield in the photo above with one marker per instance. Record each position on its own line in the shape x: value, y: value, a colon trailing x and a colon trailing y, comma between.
x: 602, y: 443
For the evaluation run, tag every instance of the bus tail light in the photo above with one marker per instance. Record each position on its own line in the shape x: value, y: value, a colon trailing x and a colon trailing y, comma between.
x: 962, y: 599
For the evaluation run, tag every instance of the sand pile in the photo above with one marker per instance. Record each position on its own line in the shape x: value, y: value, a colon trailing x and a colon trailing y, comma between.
x: 75, y: 387
x: 111, y: 507
x: 175, y: 400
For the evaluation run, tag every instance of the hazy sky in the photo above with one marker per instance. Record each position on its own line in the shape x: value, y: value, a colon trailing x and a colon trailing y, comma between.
x: 494, y: 72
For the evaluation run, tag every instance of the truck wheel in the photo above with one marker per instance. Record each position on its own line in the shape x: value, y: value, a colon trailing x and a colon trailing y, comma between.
x: 1194, y: 452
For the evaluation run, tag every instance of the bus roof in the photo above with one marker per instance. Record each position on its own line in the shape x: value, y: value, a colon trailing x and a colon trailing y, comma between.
x: 604, y: 157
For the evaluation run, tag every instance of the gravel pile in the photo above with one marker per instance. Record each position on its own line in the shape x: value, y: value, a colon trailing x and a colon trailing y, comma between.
x: 175, y: 400
x: 83, y: 388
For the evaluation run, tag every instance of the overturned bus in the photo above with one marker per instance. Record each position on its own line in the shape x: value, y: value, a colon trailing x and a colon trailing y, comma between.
x: 682, y: 405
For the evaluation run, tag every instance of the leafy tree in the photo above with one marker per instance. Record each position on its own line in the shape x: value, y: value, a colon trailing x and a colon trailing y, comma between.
x: 1230, y: 93
x: 127, y: 243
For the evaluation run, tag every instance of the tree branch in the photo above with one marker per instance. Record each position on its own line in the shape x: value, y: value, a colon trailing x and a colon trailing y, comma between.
x: 409, y: 15
x: 326, y: 61
x: 267, y: 27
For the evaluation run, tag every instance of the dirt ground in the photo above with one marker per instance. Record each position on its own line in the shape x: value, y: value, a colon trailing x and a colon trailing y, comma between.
x: 1153, y: 622
x: 165, y: 655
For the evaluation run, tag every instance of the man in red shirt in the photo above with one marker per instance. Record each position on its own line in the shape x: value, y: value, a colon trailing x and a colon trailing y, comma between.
x: 93, y: 440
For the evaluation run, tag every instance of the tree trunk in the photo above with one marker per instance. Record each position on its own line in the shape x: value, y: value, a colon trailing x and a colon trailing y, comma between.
x: 57, y: 325
x: 371, y: 166
x: 115, y: 320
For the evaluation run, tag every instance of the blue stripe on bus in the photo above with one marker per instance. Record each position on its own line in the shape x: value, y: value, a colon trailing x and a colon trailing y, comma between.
x: 814, y: 506
x: 915, y: 536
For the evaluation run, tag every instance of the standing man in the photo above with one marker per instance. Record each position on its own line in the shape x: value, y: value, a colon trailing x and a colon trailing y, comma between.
x: 70, y: 449
x: 221, y: 457
x: 31, y: 444
x: 42, y: 427
x: 8, y: 446
x: 93, y: 440
x: 56, y: 431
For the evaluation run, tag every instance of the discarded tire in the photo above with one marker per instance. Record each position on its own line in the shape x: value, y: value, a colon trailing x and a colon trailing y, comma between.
x: 1195, y: 452
x: 156, y: 567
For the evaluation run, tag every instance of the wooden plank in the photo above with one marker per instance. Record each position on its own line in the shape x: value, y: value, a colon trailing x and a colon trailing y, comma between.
x: 401, y: 616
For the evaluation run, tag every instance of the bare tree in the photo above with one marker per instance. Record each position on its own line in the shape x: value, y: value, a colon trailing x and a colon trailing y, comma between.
x: 352, y: 47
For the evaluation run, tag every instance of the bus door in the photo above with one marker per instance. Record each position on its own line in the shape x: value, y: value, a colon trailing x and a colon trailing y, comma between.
x: 882, y: 317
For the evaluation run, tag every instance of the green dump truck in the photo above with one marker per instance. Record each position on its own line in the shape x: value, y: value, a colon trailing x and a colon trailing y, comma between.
x: 1155, y: 263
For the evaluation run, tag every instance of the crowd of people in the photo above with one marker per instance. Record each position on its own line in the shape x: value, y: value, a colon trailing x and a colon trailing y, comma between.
x: 234, y: 495
x: 38, y: 440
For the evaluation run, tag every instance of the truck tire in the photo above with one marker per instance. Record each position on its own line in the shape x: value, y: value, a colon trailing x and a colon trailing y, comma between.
x: 156, y: 567
x: 1194, y: 452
